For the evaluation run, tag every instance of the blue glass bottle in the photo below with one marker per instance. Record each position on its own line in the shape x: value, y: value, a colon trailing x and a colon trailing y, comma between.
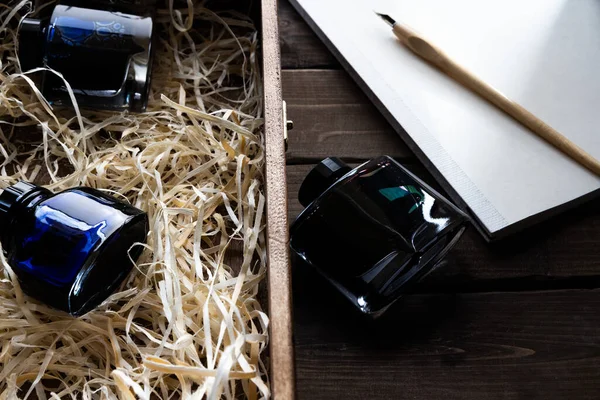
x: 70, y: 250
x: 104, y: 55
x: 372, y: 231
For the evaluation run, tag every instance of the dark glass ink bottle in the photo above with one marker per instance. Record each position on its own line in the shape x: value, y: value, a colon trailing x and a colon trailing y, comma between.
x: 105, y: 56
x: 374, y: 230
x: 70, y: 250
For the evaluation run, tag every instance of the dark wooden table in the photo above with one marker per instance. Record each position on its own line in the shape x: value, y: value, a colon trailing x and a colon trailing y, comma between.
x: 518, y: 319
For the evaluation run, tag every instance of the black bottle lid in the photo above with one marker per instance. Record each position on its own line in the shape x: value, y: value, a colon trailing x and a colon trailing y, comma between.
x: 8, y: 198
x: 11, y: 194
x: 31, y: 43
x: 320, y: 178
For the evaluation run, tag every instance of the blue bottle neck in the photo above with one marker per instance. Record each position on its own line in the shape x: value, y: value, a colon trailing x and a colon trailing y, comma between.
x: 14, y: 201
x: 32, y: 42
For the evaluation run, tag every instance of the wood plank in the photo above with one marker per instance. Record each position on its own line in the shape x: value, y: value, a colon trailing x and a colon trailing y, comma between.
x: 561, y: 253
x: 470, y: 346
x: 333, y: 117
x: 300, y: 47
x: 279, y: 269
x: 529, y: 345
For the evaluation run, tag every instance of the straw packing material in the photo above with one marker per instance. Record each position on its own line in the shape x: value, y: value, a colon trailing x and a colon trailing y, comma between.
x: 187, y: 322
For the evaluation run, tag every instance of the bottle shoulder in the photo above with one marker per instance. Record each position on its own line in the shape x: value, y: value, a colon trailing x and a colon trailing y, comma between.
x: 362, y: 169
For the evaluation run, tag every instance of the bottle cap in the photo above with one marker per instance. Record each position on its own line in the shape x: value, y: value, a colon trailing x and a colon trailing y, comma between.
x: 31, y: 43
x: 325, y: 174
x: 8, y: 198
x: 11, y: 194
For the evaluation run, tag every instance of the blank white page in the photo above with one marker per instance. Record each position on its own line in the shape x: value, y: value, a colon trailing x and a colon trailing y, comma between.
x: 544, y: 54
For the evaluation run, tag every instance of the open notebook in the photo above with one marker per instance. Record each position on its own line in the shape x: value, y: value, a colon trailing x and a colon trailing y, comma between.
x: 544, y: 54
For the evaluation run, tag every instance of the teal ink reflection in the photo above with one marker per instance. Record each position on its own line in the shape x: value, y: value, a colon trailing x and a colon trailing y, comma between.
x: 399, y: 192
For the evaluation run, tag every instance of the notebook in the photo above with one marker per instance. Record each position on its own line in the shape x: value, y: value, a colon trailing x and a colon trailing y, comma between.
x: 543, y: 54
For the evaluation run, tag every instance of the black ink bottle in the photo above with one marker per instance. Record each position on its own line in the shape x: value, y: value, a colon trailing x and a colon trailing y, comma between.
x: 374, y: 230
x: 70, y: 250
x: 105, y: 56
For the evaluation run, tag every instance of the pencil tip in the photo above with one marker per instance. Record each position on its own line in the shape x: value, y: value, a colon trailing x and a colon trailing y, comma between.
x: 386, y: 18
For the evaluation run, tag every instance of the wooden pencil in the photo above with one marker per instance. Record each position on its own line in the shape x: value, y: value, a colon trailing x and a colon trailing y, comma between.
x: 424, y: 49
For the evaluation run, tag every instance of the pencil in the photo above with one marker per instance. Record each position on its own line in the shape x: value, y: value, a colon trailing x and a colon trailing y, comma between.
x: 424, y: 49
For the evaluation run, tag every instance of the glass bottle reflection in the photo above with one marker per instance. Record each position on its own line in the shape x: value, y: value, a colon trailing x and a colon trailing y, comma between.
x: 105, y: 56
x: 72, y: 249
x: 373, y: 231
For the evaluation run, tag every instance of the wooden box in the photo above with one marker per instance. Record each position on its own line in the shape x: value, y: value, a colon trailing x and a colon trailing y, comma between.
x: 278, y: 287
x: 279, y: 293
x: 279, y: 272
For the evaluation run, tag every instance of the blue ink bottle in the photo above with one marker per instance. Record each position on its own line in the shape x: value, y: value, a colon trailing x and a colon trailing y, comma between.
x: 104, y: 55
x: 372, y: 231
x: 70, y: 250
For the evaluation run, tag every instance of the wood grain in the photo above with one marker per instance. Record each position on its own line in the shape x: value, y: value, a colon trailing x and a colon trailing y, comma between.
x: 333, y: 117
x: 300, y: 47
x: 514, y: 336
x: 529, y: 345
x: 279, y: 274
x: 562, y: 253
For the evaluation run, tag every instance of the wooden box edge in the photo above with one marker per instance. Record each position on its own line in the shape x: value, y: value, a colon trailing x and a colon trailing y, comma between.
x: 279, y: 271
